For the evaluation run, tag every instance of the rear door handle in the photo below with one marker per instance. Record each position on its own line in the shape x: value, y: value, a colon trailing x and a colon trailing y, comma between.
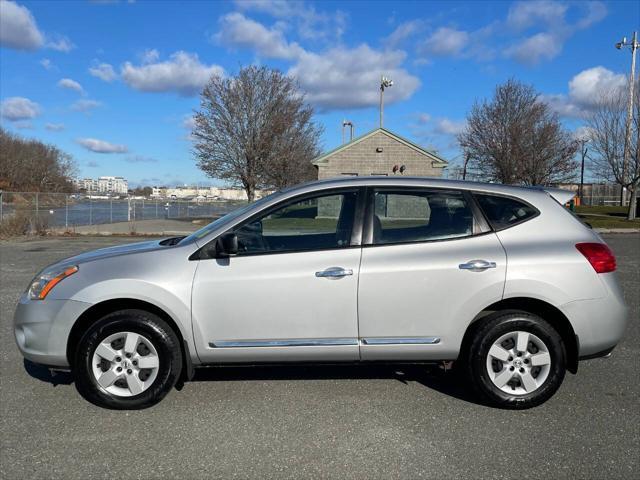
x: 335, y: 272
x: 477, y: 265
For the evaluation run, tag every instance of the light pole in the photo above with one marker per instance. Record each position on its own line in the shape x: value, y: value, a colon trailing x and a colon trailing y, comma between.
x: 627, y: 138
x: 583, y: 153
x: 384, y: 83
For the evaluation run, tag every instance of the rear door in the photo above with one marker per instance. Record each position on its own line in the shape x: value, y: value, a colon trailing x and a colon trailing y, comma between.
x: 430, y: 263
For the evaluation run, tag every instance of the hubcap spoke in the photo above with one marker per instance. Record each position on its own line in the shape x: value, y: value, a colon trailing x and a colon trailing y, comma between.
x: 105, y: 351
x: 522, y: 341
x: 503, y: 377
x: 499, y: 353
x: 107, y: 378
x: 540, y: 359
x: 528, y: 382
x: 136, y: 385
x: 131, y: 342
x: 148, y: 361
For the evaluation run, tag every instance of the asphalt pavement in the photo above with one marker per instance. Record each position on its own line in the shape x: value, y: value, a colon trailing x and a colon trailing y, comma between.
x: 316, y: 422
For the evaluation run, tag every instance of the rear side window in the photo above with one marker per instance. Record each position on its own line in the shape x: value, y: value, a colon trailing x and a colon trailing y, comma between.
x: 504, y: 212
x: 420, y: 216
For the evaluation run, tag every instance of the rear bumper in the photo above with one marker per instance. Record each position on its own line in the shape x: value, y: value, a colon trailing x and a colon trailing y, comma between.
x: 598, y: 323
x: 42, y: 327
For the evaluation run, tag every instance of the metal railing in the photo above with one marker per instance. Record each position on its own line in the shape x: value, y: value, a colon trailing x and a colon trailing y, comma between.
x: 70, y: 210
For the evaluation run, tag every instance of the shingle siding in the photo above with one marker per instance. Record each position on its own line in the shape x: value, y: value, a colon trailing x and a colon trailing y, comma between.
x: 362, y: 158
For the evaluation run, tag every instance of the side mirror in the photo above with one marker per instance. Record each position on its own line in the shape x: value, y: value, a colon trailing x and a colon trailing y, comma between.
x: 227, y: 244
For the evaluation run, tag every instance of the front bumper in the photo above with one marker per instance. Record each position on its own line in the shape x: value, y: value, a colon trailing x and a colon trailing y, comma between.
x: 42, y: 327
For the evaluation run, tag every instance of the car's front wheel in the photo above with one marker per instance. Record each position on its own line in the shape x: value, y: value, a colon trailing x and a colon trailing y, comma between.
x: 129, y: 359
x: 516, y: 360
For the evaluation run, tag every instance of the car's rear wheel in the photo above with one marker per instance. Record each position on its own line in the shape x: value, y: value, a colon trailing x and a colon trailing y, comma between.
x: 516, y: 360
x: 129, y: 359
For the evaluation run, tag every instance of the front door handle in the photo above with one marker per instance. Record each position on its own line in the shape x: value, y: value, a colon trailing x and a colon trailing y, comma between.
x: 477, y: 265
x: 335, y: 272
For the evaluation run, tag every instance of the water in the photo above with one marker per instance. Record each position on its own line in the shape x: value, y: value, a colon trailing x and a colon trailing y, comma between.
x: 95, y: 212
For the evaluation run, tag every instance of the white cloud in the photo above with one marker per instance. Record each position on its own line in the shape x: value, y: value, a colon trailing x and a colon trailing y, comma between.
x: 445, y: 126
x: 403, y: 32
x: 85, y: 105
x: 182, y: 73
x: 533, y: 50
x: 103, y: 71
x: 150, y: 56
x: 18, y: 28
x: 310, y: 23
x: 46, y: 64
x: 342, y: 78
x: 61, y: 44
x: 240, y: 31
x: 549, y: 17
x: 336, y: 78
x: 70, y: 84
x: 16, y: 109
x: 54, y: 127
x: 189, y: 122
x: 446, y: 41
x: 101, y: 146
x: 588, y: 86
x: 523, y: 15
x: 585, y: 91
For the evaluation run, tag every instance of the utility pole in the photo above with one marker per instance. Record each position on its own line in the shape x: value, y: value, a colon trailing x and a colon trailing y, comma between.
x: 627, y: 138
x: 583, y: 153
x: 384, y: 83
x: 467, y: 156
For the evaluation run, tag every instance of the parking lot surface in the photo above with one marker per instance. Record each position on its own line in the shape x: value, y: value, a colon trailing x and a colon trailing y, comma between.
x: 320, y: 422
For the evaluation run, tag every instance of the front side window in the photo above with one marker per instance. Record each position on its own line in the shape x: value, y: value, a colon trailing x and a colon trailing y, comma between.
x: 316, y: 223
x: 416, y: 216
x: 504, y: 212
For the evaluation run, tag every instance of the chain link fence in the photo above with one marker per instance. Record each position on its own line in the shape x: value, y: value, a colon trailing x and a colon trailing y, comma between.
x: 40, y: 212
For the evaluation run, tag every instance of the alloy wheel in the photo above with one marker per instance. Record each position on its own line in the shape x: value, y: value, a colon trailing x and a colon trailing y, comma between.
x: 518, y: 363
x: 125, y: 364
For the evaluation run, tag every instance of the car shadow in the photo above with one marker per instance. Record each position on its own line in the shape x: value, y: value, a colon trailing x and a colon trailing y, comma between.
x: 429, y: 376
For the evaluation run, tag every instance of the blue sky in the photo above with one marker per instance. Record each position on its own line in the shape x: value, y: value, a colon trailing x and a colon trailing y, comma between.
x: 114, y: 83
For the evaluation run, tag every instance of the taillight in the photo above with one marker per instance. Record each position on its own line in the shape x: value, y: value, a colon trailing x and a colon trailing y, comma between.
x: 599, y: 255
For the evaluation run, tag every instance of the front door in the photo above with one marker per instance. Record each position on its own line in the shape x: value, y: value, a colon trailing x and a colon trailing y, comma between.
x: 291, y: 292
x: 429, y: 266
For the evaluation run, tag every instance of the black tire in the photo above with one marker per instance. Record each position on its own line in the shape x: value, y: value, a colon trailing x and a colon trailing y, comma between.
x: 492, y: 328
x: 141, y: 322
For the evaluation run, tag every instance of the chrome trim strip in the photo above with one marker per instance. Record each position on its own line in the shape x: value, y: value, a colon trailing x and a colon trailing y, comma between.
x: 309, y: 342
x: 401, y: 341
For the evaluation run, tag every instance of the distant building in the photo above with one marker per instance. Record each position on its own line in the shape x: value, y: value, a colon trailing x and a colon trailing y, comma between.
x: 209, y: 193
x: 379, y: 152
x: 117, y: 185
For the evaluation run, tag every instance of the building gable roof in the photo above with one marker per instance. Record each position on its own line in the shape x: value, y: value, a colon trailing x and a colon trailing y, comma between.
x: 436, y: 159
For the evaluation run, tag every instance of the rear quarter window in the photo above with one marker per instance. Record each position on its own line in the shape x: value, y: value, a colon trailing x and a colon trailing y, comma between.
x: 504, y: 212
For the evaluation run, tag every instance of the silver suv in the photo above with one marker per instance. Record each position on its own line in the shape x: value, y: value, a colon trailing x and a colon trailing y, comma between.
x: 503, y: 280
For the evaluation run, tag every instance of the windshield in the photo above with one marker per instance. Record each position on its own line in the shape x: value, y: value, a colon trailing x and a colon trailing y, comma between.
x: 207, y: 229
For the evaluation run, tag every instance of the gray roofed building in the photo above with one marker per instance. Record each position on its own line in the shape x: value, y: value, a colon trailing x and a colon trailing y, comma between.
x: 377, y: 153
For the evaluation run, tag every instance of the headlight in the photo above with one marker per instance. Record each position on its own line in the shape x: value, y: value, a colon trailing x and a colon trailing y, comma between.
x: 45, y: 281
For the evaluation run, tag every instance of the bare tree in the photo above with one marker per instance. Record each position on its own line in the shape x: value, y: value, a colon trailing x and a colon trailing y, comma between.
x: 29, y: 165
x: 515, y: 138
x: 255, y: 130
x: 606, y: 126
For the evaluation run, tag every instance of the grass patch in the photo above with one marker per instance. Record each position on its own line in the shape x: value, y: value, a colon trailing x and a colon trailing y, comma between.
x: 615, y: 210
x: 609, y: 222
